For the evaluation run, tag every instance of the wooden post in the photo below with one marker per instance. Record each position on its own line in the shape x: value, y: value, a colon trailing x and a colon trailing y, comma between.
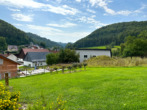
x: 6, y: 79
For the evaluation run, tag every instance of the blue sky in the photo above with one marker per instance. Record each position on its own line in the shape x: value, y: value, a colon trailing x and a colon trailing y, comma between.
x: 69, y: 20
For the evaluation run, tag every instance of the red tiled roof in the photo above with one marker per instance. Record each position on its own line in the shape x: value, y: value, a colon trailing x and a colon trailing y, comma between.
x: 34, y: 50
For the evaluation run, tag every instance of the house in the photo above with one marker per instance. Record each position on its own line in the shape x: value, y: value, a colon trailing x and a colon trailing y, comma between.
x: 7, y: 66
x: 12, y: 48
x: 10, y: 56
x: 24, y: 51
x: 34, y: 59
x: 88, y: 53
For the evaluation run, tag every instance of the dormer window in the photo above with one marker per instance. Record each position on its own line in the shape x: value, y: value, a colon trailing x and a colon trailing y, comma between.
x: 1, y: 61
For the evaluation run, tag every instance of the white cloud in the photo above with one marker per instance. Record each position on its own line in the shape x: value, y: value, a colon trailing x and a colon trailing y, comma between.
x: 78, y: 0
x: 21, y: 17
x: 43, y: 28
x: 91, y: 20
x: 13, y: 9
x: 91, y: 11
x: 104, y: 4
x: 65, y: 25
x: 18, y: 25
x: 64, y: 10
x: 56, y: 34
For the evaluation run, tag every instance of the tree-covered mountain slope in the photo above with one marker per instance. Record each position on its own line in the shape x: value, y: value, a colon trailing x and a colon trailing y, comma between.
x: 13, y: 35
x: 39, y: 39
x: 16, y: 36
x: 114, y: 33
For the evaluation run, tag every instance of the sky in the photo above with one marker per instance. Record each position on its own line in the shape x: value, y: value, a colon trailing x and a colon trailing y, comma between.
x: 69, y: 20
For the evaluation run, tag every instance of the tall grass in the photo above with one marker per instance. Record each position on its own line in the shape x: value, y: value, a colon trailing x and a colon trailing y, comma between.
x: 105, y: 61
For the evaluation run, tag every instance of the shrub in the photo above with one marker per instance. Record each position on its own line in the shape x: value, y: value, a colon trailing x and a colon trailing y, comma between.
x: 85, y: 64
x: 8, y: 100
x: 74, y: 65
x: 55, y: 68
x: 45, y: 105
x: 63, y: 67
x: 69, y: 68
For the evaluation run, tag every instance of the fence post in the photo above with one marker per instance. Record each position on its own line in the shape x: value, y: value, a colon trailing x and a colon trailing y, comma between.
x: 6, y: 79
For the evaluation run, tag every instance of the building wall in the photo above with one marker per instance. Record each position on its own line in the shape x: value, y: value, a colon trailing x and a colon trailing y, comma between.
x: 21, y: 55
x: 92, y: 53
x: 33, y: 64
x: 27, y: 63
x: 8, y: 67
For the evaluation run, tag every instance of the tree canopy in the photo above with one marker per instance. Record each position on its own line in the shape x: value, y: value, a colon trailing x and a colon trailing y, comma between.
x: 3, y: 44
x: 115, y: 33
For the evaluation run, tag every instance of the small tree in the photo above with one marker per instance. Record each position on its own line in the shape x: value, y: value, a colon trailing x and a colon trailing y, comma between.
x: 52, y: 58
x: 85, y: 64
x: 80, y: 65
x: 63, y: 67
x: 74, y: 65
x: 3, y: 44
x: 69, y: 68
x: 55, y: 68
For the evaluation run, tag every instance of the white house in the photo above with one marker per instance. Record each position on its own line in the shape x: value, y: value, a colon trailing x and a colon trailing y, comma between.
x: 34, y: 59
x: 88, y: 53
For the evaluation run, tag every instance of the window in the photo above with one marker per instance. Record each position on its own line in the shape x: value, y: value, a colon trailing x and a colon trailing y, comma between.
x: 85, y: 56
x: 1, y: 61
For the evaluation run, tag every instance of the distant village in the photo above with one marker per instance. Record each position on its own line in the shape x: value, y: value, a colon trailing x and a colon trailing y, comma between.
x: 30, y: 55
x: 34, y: 56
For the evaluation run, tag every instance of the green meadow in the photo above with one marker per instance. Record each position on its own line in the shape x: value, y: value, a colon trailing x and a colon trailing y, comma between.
x: 118, y: 88
x: 101, y: 47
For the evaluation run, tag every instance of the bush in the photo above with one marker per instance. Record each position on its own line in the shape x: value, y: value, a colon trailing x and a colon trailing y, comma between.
x: 8, y: 100
x: 45, y: 105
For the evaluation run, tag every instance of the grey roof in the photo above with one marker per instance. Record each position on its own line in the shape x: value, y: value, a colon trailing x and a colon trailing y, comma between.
x: 36, y: 56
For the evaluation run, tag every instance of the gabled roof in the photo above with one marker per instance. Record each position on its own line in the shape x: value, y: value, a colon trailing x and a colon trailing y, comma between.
x: 25, y: 50
x: 3, y: 57
x: 36, y: 56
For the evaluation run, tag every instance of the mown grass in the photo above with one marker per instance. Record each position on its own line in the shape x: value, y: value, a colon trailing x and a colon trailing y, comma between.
x: 94, y: 89
x: 101, y: 47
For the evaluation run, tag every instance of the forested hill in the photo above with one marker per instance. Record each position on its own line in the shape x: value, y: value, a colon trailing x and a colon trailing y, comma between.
x: 16, y: 36
x: 13, y: 35
x: 114, y: 33
x: 47, y: 42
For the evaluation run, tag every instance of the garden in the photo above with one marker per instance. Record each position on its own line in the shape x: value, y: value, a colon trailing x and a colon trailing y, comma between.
x: 94, y: 88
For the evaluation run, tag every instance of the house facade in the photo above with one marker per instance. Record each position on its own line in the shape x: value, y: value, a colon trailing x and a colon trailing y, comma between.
x: 88, y: 53
x: 12, y: 48
x: 7, y: 66
x: 34, y: 59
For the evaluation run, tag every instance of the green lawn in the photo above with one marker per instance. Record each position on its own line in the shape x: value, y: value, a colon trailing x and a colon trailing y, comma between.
x: 93, y: 89
x: 101, y: 47
x: 97, y: 47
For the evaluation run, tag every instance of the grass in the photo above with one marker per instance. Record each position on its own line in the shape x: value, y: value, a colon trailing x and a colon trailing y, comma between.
x: 101, y: 47
x: 94, y: 89
x: 97, y: 47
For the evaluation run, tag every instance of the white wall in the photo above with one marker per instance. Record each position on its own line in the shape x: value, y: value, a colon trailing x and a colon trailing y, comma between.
x: 92, y: 53
x: 32, y: 64
x: 27, y: 63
